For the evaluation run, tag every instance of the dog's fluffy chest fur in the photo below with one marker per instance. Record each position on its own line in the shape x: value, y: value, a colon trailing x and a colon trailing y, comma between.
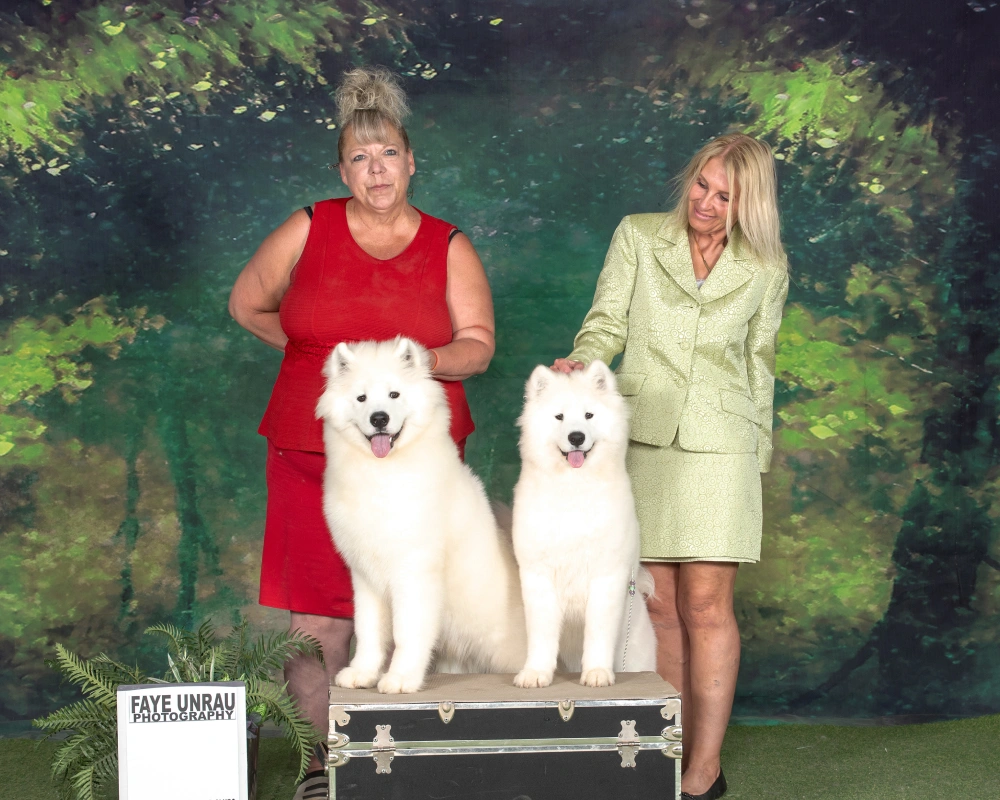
x: 558, y: 524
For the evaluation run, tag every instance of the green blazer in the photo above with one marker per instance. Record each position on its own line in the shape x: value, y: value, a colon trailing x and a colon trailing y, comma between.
x: 698, y: 364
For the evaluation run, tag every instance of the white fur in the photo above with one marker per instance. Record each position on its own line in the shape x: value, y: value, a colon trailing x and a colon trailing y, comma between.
x: 430, y: 570
x: 576, y: 535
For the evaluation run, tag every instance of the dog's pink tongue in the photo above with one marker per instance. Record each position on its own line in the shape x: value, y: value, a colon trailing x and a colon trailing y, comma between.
x: 576, y: 458
x: 381, y: 444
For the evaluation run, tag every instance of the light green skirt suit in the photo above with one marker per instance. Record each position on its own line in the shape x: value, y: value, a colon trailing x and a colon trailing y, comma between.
x: 697, y: 372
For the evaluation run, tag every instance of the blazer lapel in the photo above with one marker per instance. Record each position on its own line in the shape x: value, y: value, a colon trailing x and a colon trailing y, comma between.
x: 674, y: 254
x: 729, y: 274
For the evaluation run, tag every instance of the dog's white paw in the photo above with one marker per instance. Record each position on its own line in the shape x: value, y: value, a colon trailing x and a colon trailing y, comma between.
x: 395, y: 683
x: 353, y: 678
x: 598, y: 676
x: 532, y: 679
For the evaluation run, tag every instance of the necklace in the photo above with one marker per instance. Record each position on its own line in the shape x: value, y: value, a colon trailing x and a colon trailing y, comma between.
x: 698, y: 257
x: 380, y: 224
x: 358, y: 217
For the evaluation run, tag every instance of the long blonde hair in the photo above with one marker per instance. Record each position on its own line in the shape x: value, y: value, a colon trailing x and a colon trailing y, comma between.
x: 371, y: 103
x: 750, y: 171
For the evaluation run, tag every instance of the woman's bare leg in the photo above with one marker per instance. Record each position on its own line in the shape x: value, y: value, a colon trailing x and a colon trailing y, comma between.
x: 308, y: 681
x: 705, y: 603
x: 672, y: 657
x: 671, y: 639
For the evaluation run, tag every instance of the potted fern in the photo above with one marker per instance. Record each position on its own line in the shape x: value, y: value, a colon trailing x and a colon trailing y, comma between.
x: 88, y: 758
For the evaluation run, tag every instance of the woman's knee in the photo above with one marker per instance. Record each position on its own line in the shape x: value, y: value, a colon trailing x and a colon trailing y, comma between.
x: 706, y: 609
x: 662, y: 604
x: 330, y: 631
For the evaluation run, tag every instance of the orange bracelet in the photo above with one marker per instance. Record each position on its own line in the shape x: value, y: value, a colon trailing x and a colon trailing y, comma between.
x: 437, y: 358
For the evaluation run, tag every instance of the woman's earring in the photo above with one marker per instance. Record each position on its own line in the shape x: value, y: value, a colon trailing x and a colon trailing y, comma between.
x: 409, y: 192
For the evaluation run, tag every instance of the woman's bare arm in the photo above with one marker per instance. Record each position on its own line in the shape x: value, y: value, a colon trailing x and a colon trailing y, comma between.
x: 258, y: 290
x: 470, y: 304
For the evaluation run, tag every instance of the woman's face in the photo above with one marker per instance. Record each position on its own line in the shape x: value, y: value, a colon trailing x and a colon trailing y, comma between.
x: 377, y: 174
x: 709, y: 199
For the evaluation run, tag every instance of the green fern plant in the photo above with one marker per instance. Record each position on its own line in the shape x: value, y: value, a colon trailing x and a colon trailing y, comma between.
x: 195, y: 656
x: 87, y: 760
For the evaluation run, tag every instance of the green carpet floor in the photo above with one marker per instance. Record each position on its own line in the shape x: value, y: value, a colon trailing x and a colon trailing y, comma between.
x: 937, y: 761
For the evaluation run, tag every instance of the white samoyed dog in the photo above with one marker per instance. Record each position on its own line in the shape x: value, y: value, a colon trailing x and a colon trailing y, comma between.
x: 576, y: 535
x: 432, y: 574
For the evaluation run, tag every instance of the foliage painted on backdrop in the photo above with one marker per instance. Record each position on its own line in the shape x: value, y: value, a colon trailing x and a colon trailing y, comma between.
x: 159, y: 59
x: 826, y: 100
x: 38, y: 356
x: 138, y: 499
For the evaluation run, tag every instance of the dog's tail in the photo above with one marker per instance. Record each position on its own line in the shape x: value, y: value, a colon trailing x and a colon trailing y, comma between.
x: 504, y: 516
x: 644, y: 583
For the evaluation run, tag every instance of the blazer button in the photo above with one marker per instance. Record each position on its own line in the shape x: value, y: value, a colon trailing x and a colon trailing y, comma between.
x: 685, y: 345
x: 680, y: 382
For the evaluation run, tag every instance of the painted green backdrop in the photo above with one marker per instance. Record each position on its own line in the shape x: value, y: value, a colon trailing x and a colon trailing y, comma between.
x: 147, y: 148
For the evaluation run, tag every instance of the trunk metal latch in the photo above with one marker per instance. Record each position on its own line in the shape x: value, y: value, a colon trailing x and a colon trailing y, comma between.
x: 673, y: 733
x: 335, y: 740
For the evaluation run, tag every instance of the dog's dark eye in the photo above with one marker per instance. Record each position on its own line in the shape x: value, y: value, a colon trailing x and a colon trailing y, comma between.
x: 559, y: 417
x: 393, y: 395
x: 588, y: 415
x: 362, y: 398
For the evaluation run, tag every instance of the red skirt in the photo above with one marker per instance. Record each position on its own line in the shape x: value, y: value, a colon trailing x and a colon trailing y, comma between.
x: 301, y: 569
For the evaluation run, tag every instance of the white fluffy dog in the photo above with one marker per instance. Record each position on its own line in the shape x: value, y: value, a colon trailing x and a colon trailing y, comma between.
x: 576, y: 535
x: 430, y: 570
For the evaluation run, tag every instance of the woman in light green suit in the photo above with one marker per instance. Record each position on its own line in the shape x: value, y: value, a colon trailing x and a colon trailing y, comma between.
x: 693, y: 299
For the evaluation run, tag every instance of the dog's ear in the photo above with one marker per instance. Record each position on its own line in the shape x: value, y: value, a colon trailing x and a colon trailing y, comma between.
x: 600, y: 377
x: 540, y: 378
x: 340, y: 360
x: 411, y: 353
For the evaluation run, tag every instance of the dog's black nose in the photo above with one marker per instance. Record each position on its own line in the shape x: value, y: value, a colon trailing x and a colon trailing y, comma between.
x: 576, y: 438
x: 379, y: 420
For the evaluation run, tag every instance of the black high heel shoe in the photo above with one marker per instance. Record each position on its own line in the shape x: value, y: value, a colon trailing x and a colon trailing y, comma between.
x: 715, y: 791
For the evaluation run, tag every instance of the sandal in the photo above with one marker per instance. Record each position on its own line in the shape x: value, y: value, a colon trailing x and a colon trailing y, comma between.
x: 314, y: 786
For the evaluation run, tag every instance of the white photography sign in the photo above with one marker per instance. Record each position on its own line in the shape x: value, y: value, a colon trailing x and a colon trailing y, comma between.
x: 182, y: 740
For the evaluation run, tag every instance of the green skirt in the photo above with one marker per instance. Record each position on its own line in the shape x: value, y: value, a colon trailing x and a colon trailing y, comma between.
x: 696, y: 506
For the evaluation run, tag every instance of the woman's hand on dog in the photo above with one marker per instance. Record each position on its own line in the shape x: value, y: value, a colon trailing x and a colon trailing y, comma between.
x: 566, y: 365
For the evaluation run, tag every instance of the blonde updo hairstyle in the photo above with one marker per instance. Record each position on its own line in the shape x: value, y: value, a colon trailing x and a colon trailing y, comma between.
x: 372, y: 105
x: 750, y: 171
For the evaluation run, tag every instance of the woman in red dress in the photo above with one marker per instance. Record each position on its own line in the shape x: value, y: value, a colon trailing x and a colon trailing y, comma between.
x: 370, y: 266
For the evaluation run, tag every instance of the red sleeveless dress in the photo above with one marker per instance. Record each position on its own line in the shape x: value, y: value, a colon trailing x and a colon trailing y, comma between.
x: 338, y: 293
